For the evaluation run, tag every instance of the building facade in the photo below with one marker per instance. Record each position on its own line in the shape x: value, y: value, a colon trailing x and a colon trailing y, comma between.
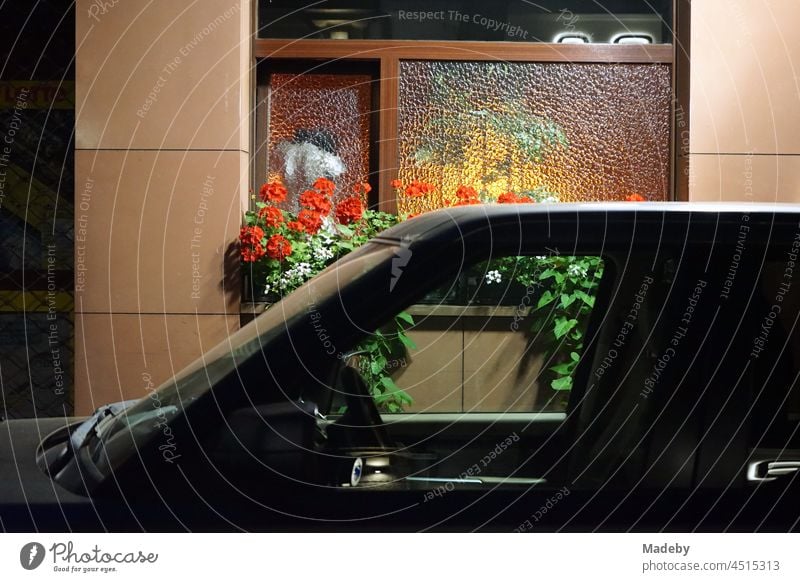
x: 182, y: 109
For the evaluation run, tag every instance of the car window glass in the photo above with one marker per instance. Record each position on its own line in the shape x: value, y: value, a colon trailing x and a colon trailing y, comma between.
x: 504, y: 335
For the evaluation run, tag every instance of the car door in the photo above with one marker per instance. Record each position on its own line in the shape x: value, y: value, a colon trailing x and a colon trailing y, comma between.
x: 500, y: 439
x: 750, y: 447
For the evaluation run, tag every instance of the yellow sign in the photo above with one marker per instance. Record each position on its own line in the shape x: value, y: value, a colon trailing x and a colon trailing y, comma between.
x: 40, y: 94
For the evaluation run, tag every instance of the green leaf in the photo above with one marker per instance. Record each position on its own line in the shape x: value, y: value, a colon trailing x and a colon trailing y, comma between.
x: 585, y: 297
x: 370, y: 346
x: 377, y: 365
x: 563, y: 383
x: 574, y: 356
x: 546, y: 298
x: 405, y: 316
x: 407, y: 341
x: 563, y: 326
x: 567, y: 300
x: 389, y: 384
x: 563, y: 369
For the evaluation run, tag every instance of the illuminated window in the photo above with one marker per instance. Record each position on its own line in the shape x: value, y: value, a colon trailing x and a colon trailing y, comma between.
x: 562, y: 131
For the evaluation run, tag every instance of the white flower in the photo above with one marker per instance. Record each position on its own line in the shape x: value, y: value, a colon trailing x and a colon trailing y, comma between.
x: 540, y: 257
x: 322, y: 254
x: 303, y: 270
x: 550, y: 200
x: 267, y: 289
x: 576, y: 271
x: 493, y: 277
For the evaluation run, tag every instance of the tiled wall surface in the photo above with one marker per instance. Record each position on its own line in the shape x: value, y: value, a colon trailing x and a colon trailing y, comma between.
x: 745, y: 101
x: 472, y: 364
x: 162, y: 151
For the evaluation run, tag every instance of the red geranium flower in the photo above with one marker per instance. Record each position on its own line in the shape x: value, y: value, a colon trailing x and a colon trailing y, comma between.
x: 511, y: 198
x: 311, y: 220
x: 466, y: 193
x: 635, y: 198
x: 273, y: 192
x: 296, y: 226
x: 412, y: 191
x: 466, y: 196
x: 349, y: 210
x: 316, y: 201
x: 251, y: 235
x: 418, y: 189
x: 325, y: 186
x: 252, y: 249
x: 362, y: 188
x: 252, y: 254
x: 278, y: 247
x: 272, y: 216
x: 396, y: 183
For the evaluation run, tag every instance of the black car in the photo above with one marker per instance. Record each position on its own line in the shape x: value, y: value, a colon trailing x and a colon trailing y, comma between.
x: 597, y: 367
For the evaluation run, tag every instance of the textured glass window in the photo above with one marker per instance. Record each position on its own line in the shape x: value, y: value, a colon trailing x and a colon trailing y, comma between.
x: 319, y: 126
x: 500, y: 20
x: 575, y: 132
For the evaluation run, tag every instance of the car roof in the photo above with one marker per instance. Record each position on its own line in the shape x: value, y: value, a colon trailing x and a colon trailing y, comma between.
x: 432, y: 223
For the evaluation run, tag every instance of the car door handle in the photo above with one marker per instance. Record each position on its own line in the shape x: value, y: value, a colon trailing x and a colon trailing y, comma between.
x: 771, y: 470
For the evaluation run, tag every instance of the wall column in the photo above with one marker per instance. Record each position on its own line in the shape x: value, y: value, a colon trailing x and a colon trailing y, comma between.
x: 745, y: 101
x: 162, y: 143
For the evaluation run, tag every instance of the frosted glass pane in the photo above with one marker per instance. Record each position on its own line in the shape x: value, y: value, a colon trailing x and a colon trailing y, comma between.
x: 579, y: 131
x: 319, y: 126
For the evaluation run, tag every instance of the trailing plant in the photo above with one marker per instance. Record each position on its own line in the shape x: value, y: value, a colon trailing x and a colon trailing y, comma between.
x: 382, y: 347
x: 562, y: 311
x: 563, y: 290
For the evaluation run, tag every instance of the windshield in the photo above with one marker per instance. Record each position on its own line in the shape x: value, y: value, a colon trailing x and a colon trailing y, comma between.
x: 152, y: 415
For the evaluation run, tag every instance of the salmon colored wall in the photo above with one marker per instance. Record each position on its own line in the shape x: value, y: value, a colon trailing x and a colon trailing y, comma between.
x: 161, y: 178
x: 745, y: 101
x: 475, y: 363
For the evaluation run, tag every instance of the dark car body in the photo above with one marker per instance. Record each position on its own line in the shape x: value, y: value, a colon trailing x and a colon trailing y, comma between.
x: 685, y: 419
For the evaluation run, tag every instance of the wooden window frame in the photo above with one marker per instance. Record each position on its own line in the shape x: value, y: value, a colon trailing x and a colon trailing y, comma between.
x: 389, y: 53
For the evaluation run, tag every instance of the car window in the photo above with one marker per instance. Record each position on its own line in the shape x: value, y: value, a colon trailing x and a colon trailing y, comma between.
x: 505, y: 335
